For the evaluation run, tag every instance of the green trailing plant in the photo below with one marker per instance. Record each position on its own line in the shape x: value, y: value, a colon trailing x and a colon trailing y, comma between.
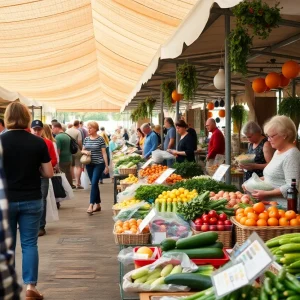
x: 141, y: 112
x: 251, y: 16
x: 150, y: 102
x: 134, y: 116
x: 187, y: 78
x: 167, y: 87
x: 290, y: 107
x: 239, y: 117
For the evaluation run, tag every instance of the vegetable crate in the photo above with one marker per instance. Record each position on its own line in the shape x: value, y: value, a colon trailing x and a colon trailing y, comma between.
x: 132, y: 239
x: 138, y: 263
x: 128, y: 171
x: 266, y: 233
x: 224, y: 236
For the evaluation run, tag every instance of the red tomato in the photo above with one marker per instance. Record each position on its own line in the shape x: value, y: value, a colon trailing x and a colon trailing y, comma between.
x: 198, y: 221
x: 205, y: 218
x: 220, y: 222
x: 213, y: 221
x: 227, y: 222
x: 204, y: 228
x: 213, y: 214
x: 213, y: 227
x: 223, y: 217
x: 221, y: 227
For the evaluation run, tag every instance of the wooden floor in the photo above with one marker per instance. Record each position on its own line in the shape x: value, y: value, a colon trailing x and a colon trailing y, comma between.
x: 78, y: 256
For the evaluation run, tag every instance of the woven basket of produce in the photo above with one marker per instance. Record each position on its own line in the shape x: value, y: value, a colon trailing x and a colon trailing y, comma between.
x: 224, y: 237
x: 266, y: 233
x: 128, y: 171
x: 132, y: 239
x: 116, y: 211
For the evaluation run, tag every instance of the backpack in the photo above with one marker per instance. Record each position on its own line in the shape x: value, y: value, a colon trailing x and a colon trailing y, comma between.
x: 73, y: 145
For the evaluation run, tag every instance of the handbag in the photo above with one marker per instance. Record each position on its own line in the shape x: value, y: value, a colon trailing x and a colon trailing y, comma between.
x: 58, y: 188
x: 85, y: 159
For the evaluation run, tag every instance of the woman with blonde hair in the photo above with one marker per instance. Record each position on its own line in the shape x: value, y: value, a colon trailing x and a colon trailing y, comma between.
x: 94, y: 145
x: 285, y: 164
x: 25, y: 161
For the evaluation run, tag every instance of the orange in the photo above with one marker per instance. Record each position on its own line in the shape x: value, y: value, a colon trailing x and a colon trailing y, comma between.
x: 239, y: 216
x: 133, y: 230
x: 298, y: 217
x: 243, y: 220
x: 145, y: 250
x: 261, y: 222
x: 281, y: 213
x: 290, y: 214
x: 252, y: 216
x: 273, y: 222
x: 294, y: 222
x: 284, y: 222
x: 248, y: 210
x: 264, y: 215
x: 274, y: 214
x: 239, y: 211
x: 272, y: 208
x: 250, y: 222
x: 258, y: 207
x: 119, y: 222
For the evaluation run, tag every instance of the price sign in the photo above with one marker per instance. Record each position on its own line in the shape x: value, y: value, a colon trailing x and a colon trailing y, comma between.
x: 221, y: 171
x: 230, y: 279
x: 147, y: 163
x: 161, y: 179
x: 147, y: 220
x: 158, y: 237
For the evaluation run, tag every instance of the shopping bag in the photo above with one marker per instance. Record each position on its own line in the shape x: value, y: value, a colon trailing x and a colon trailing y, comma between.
x: 67, y: 188
x: 51, y: 210
x: 85, y: 181
x: 58, y: 188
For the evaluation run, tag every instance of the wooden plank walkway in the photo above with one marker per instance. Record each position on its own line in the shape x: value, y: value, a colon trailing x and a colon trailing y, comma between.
x: 78, y: 256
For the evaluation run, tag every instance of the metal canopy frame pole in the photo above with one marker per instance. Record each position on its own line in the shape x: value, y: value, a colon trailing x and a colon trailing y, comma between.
x: 161, y: 115
x: 279, y: 98
x: 227, y: 100
x: 177, y: 112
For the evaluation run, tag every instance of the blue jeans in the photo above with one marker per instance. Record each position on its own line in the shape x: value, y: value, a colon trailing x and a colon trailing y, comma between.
x: 95, y: 173
x: 28, y: 215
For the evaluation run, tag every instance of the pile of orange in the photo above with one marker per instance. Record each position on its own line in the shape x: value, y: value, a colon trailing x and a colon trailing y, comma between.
x: 173, y: 178
x: 129, y: 227
x: 154, y: 169
x: 258, y: 215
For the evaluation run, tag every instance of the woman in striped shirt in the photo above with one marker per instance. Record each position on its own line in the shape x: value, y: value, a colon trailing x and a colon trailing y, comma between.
x: 95, y: 146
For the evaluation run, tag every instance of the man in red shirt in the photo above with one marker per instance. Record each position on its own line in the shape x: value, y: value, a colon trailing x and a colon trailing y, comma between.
x: 37, y: 129
x: 217, y: 140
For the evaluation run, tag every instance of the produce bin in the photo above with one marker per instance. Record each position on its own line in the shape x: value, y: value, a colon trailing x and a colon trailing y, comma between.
x: 216, y: 262
x: 128, y: 171
x: 266, y: 233
x: 138, y: 263
x: 132, y: 239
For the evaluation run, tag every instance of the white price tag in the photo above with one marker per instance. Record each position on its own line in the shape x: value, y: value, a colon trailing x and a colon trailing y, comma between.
x: 161, y: 179
x: 147, y: 220
x: 158, y: 237
x: 147, y: 163
x: 230, y: 279
x: 220, y: 172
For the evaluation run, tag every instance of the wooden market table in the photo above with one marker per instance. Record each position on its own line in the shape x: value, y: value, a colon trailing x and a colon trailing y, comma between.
x: 117, y: 179
x: 156, y: 296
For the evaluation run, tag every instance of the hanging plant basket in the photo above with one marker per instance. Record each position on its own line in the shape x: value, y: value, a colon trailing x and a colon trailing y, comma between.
x: 150, y: 102
x: 168, y: 86
x: 187, y: 78
x: 239, y: 117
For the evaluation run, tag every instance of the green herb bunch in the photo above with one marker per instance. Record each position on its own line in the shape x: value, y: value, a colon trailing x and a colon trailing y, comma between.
x: 187, y: 169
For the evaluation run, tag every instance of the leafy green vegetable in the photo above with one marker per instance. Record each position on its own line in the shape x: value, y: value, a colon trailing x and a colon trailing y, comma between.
x: 204, y: 184
x: 187, y: 169
x: 150, y: 192
x: 131, y: 159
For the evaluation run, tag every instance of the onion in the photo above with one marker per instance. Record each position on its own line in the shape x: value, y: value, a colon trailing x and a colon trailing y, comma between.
x: 232, y: 203
x: 226, y: 194
x: 221, y: 193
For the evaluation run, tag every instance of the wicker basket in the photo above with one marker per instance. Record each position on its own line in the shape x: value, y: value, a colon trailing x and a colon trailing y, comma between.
x: 225, y: 237
x: 128, y: 171
x: 132, y: 239
x: 124, y: 186
x: 266, y: 233
x: 116, y: 211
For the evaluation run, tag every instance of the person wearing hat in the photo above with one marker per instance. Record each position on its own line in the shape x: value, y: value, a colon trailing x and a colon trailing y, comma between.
x: 37, y: 130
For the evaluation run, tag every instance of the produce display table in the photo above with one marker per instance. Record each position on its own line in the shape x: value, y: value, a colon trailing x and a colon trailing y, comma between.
x: 117, y: 179
x: 157, y: 296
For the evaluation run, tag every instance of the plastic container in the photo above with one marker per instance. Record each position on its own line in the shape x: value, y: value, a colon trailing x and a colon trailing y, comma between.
x: 216, y: 262
x: 138, y: 263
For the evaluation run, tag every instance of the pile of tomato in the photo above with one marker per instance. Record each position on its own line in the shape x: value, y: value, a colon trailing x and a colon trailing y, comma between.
x: 212, y: 221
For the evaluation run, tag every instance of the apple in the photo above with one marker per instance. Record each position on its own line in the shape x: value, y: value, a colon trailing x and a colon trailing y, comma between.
x: 205, y: 218
x: 213, y: 221
x: 227, y: 222
x: 198, y: 221
x: 213, y: 214
x: 220, y: 227
x: 220, y: 222
x: 205, y: 227
x: 212, y: 228
x: 222, y: 217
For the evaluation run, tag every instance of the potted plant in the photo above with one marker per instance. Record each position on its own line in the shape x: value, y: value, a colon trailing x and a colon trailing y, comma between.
x: 290, y: 107
x: 168, y: 86
x: 239, y: 116
x: 187, y: 78
x: 150, y: 102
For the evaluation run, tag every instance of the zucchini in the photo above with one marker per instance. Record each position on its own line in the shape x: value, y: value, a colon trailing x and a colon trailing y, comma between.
x: 192, y: 280
x: 200, y: 252
x: 284, y: 241
x: 168, y: 244
x: 290, y: 248
x: 198, y: 240
x: 288, y: 293
x: 295, y: 265
x: 268, y: 286
x: 295, y: 297
x: 295, y: 240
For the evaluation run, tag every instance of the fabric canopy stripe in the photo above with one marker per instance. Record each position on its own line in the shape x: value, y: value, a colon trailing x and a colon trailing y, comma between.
x: 83, y: 54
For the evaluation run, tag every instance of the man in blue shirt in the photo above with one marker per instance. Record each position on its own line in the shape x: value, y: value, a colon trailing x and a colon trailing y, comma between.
x: 151, y: 140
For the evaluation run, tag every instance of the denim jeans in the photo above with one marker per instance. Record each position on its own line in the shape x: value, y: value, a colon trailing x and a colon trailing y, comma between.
x: 44, y: 190
x: 28, y: 215
x: 95, y: 173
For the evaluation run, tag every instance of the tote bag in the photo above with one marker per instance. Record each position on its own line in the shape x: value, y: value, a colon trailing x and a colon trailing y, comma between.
x: 51, y: 211
x: 58, y: 188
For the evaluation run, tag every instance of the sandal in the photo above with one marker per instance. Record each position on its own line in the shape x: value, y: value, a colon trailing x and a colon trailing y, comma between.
x: 97, y: 209
x: 89, y: 211
x: 33, y: 295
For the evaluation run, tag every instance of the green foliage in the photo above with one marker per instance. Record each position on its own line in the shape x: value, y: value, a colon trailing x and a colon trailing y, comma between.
x: 256, y: 16
x: 290, y: 107
x: 168, y: 86
x: 238, y: 115
x: 150, y: 102
x: 141, y: 112
x: 187, y: 78
x: 187, y: 169
x: 150, y: 192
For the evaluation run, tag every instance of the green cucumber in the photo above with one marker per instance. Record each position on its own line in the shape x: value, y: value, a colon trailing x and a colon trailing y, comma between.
x: 198, y: 240
x: 268, y: 286
x: 279, y: 286
x: 157, y: 205
x: 157, y: 282
x: 295, y: 265
x: 192, y: 280
x: 169, y: 207
x: 176, y: 270
x: 295, y: 297
x: 263, y: 294
x: 290, y: 286
x: 168, y: 244
x: 295, y: 240
x: 288, y: 293
x: 198, y: 295
x: 290, y: 248
x: 166, y: 270
x: 174, y: 208
x: 293, y: 280
x: 282, y: 274
x: 200, y: 252
x: 277, y: 238
x: 163, y: 207
x: 284, y: 241
x: 272, y: 244
x: 141, y: 279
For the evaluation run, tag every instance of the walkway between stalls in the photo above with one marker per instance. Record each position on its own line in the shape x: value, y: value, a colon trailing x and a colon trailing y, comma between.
x: 78, y: 256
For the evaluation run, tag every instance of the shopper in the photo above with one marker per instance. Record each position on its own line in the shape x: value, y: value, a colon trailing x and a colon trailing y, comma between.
x: 25, y: 160
x: 125, y: 135
x: 185, y: 147
x: 95, y: 145
x: 47, y: 133
x: 37, y: 130
x: 106, y: 140
x: 157, y: 129
x: 217, y: 140
x: 76, y: 168
x: 284, y: 166
x: 259, y: 146
x: 133, y: 137
x: 63, y: 142
x: 82, y: 130
x: 193, y: 133
x: 151, y: 140
x: 2, y: 127
x: 170, y: 138
x: 113, y: 145
x: 141, y: 139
